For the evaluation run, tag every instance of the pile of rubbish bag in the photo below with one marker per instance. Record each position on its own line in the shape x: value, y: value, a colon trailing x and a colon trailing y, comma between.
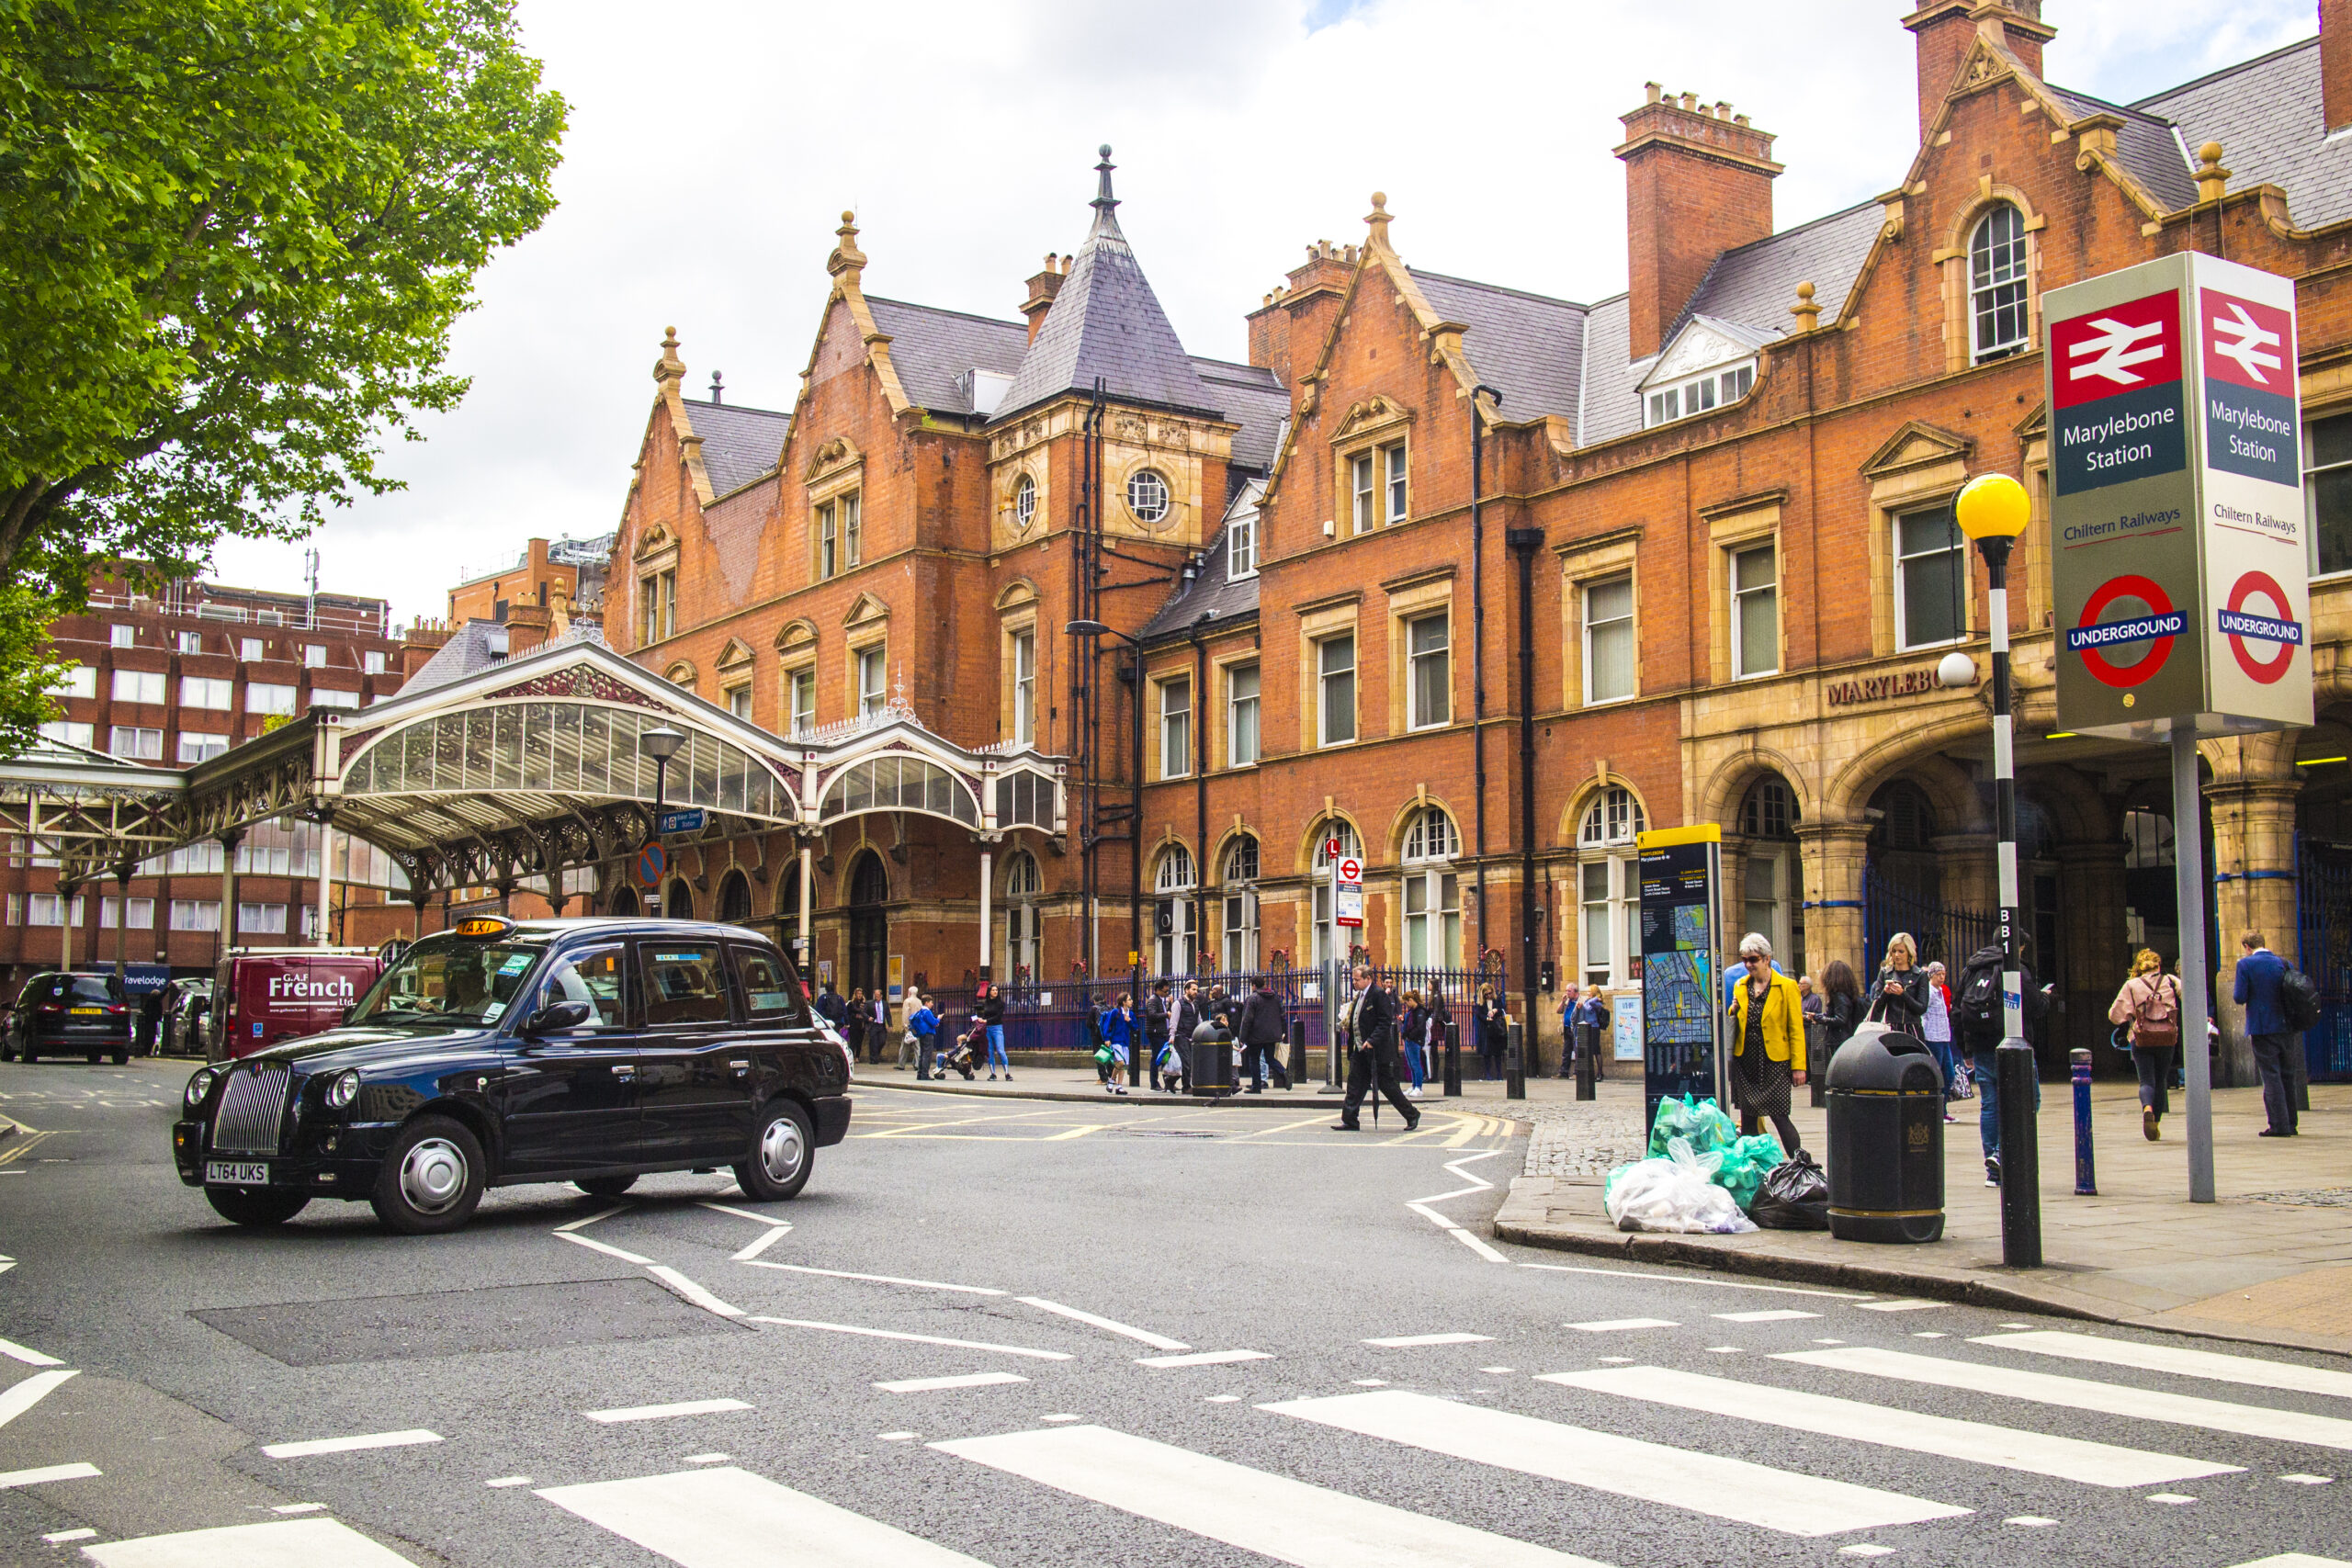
x: 1701, y: 1175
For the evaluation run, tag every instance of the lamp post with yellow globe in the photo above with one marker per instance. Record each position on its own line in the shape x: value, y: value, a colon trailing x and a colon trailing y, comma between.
x: 1992, y: 509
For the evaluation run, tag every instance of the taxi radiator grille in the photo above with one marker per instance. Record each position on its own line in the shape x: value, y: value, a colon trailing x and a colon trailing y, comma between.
x: 252, y: 1108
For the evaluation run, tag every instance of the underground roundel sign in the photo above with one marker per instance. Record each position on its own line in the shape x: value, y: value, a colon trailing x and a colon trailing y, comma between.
x: 2265, y: 643
x: 2149, y: 626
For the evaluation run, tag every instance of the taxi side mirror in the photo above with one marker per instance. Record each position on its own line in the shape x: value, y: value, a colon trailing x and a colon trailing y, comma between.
x: 345, y: 1017
x: 556, y: 1016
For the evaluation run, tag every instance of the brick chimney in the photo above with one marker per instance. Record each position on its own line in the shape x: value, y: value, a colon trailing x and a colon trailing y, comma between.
x: 1287, y: 331
x: 2335, y: 61
x: 1945, y: 30
x: 1698, y: 181
x: 1042, y: 289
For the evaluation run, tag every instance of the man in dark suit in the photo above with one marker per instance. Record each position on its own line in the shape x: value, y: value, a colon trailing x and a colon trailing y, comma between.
x: 2256, y: 990
x: 1368, y: 1019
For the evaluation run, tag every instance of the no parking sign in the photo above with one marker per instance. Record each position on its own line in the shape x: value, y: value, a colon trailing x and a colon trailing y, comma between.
x: 2176, y: 523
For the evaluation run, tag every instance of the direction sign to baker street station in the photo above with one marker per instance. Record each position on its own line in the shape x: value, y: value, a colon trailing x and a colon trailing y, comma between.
x: 2177, y: 536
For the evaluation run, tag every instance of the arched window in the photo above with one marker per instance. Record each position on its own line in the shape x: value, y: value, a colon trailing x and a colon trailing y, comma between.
x: 1330, y: 830
x: 678, y: 901
x: 1024, y: 884
x: 623, y: 901
x: 735, y: 898
x: 787, y: 911
x: 1768, y: 818
x: 1174, y: 881
x: 1609, y: 888
x: 1432, y: 893
x: 1024, y: 501
x: 869, y: 924
x: 1148, y: 495
x: 1997, y: 284
x: 1240, y: 900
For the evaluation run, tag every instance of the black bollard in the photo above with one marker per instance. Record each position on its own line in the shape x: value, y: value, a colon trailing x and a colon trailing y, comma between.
x: 2015, y: 1072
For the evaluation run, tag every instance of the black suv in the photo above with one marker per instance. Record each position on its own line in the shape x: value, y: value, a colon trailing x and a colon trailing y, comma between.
x: 60, y: 1014
x: 588, y: 1051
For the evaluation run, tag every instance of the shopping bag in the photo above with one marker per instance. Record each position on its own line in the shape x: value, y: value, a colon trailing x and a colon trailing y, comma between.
x: 1794, y: 1197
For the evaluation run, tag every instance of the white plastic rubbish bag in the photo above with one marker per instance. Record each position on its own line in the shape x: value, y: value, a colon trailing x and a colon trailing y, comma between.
x: 1676, y: 1193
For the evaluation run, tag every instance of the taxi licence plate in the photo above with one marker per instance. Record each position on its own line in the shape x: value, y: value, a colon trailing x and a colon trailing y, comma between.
x: 237, y: 1173
x: 88, y: 1012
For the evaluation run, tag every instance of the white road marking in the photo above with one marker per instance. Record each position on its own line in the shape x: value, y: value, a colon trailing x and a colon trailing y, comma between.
x: 693, y: 1292
x: 571, y: 1226
x: 2080, y: 1394
x: 1143, y: 1335
x: 1680, y: 1280
x: 732, y: 1518
x: 1212, y: 1399
x: 509, y: 1480
x: 2296, y: 1560
x: 1863, y: 1549
x: 351, y: 1445
x: 1446, y: 1223
x: 773, y: 1235
x: 1369, y: 1383
x: 600, y: 1246
x: 1476, y: 1245
x: 1930, y: 1334
x: 2169, y: 1497
x: 2067, y: 1459
x: 663, y: 1411
x: 1204, y: 1358
x: 747, y: 1215
x: 2178, y: 1360
x: 1307, y: 1527
x: 963, y: 1380
x: 300, y: 1508
x: 1786, y: 1501
x: 915, y: 1339
x: 1779, y: 1314
x: 1064, y: 1417
x: 1407, y: 1341
x: 898, y: 1437
x: 2300, y: 1479
x: 21, y: 1397
x: 1906, y: 1304
x: 1725, y: 1350
x: 708, y: 1459
x: 281, y: 1543
x: 2031, y: 1521
x: 47, y: 1472
x: 885, y: 1279
x: 1619, y: 1325
x: 15, y: 1352
x: 60, y: 1537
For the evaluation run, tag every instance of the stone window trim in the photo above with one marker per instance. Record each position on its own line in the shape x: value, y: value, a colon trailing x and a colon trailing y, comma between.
x: 1727, y: 535
x: 1370, y: 431
x: 1164, y: 684
x: 1615, y: 892
x: 1317, y: 627
x: 870, y: 629
x: 681, y: 675
x: 1179, y: 471
x: 1009, y: 498
x: 1406, y: 606
x: 839, y: 484
x: 1891, y: 496
x: 1952, y: 260
x: 1582, y: 564
x: 795, y: 647
x: 2326, y: 394
x: 1221, y: 671
x: 1017, y: 613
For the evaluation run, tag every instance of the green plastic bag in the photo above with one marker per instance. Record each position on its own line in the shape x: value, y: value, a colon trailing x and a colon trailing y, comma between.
x: 1702, y: 1122
x: 1745, y: 1164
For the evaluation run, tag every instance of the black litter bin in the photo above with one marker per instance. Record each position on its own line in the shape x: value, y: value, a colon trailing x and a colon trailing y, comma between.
x: 1886, y: 1139
x: 1209, y: 1059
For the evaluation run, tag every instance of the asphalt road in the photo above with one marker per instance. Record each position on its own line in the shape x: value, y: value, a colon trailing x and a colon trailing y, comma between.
x: 1160, y: 1333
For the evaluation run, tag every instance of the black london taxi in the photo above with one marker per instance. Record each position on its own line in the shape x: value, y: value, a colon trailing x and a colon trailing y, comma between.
x: 505, y: 1052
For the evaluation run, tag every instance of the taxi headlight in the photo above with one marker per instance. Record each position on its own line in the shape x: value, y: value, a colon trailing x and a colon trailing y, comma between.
x: 343, y: 1090
x: 198, y: 1085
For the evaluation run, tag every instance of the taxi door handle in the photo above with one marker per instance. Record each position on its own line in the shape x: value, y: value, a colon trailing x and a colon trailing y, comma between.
x: 740, y: 1067
x: 624, y: 1071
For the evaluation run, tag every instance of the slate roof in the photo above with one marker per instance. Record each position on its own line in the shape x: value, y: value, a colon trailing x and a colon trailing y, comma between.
x: 739, y: 443
x: 1756, y: 284
x: 2147, y: 145
x: 1252, y: 397
x: 1611, y: 406
x: 937, y: 351
x: 1524, y: 346
x: 2268, y: 115
x: 1106, y: 322
x: 468, y: 652
x: 1213, y: 593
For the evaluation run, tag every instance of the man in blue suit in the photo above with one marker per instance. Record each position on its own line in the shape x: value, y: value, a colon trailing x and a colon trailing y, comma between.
x: 2256, y: 990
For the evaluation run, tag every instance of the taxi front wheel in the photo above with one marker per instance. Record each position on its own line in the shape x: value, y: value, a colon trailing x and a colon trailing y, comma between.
x: 431, y: 1179
x: 783, y: 1150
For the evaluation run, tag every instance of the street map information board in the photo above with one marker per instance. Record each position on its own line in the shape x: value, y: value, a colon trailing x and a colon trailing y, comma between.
x: 1681, y: 1024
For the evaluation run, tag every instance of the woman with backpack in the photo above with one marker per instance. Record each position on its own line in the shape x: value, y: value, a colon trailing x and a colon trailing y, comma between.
x: 2148, y: 1008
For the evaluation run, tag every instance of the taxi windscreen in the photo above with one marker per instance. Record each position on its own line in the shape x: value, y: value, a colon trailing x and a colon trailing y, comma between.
x: 450, y: 981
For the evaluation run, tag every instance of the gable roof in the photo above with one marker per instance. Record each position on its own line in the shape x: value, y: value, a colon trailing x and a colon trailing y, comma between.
x: 1755, y: 284
x: 2268, y: 116
x: 2148, y: 145
x: 937, y: 351
x: 739, y: 443
x: 469, y: 651
x: 1527, y: 346
x: 1254, y: 397
x: 1106, y: 323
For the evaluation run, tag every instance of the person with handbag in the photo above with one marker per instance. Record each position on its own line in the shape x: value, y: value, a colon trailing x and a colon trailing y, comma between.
x: 2148, y: 1009
x: 1899, y: 994
x: 1768, y: 1028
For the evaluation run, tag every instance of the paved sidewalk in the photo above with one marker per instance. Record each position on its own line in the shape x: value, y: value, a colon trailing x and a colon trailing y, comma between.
x: 2271, y: 1262
x: 1548, y: 1098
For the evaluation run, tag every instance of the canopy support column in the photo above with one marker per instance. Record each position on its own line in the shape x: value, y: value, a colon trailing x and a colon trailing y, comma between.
x: 326, y: 876
x: 987, y: 869
x: 121, y: 920
x: 226, y: 927
x: 65, y: 891
x: 800, y: 937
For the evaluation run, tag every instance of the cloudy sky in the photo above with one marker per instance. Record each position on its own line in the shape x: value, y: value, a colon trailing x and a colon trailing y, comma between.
x: 714, y: 145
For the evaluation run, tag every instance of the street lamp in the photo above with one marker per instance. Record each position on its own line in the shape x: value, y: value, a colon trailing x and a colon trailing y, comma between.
x: 1992, y: 509
x: 1136, y: 1048
x: 661, y: 744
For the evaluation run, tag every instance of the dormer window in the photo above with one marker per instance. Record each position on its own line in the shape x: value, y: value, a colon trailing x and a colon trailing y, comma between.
x: 1716, y: 388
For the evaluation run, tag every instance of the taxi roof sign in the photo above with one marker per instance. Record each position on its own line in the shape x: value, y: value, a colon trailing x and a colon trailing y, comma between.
x: 484, y: 925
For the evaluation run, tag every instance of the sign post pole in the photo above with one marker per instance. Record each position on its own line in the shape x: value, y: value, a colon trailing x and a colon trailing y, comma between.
x: 2188, y: 872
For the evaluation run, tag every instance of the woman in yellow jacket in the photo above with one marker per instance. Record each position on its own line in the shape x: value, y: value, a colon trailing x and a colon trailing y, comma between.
x: 1767, y: 1040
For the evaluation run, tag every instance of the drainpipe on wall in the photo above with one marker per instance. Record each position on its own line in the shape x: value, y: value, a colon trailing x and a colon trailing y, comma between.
x: 1200, y: 783
x: 1524, y: 543
x: 1478, y: 649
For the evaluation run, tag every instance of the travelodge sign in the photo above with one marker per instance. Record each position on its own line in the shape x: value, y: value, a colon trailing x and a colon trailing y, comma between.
x: 2177, y: 537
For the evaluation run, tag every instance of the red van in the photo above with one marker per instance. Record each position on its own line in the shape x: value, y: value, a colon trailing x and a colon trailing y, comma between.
x: 264, y: 995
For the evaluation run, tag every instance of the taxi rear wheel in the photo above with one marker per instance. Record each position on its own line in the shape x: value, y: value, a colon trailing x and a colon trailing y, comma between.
x: 256, y: 1206
x: 783, y: 1151
x: 431, y: 1179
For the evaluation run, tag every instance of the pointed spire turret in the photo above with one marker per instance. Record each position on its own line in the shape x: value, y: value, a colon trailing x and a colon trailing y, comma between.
x: 1106, y: 219
x: 668, y: 367
x: 847, y: 262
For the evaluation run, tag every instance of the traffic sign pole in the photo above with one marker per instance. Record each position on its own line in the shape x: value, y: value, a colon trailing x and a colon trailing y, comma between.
x: 2188, y: 872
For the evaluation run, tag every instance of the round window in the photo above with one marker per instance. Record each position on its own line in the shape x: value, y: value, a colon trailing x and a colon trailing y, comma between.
x: 1024, y: 501
x: 1148, y: 495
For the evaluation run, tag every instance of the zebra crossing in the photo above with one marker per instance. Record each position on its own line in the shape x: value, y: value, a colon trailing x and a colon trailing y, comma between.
x: 1560, y: 1460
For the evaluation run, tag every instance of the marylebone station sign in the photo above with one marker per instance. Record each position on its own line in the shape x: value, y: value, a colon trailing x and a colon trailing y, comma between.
x: 2177, y: 535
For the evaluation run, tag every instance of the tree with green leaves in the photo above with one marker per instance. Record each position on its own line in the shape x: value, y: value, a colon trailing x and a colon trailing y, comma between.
x: 234, y: 235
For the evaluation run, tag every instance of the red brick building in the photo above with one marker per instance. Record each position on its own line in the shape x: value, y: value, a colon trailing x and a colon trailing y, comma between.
x: 1719, y: 503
